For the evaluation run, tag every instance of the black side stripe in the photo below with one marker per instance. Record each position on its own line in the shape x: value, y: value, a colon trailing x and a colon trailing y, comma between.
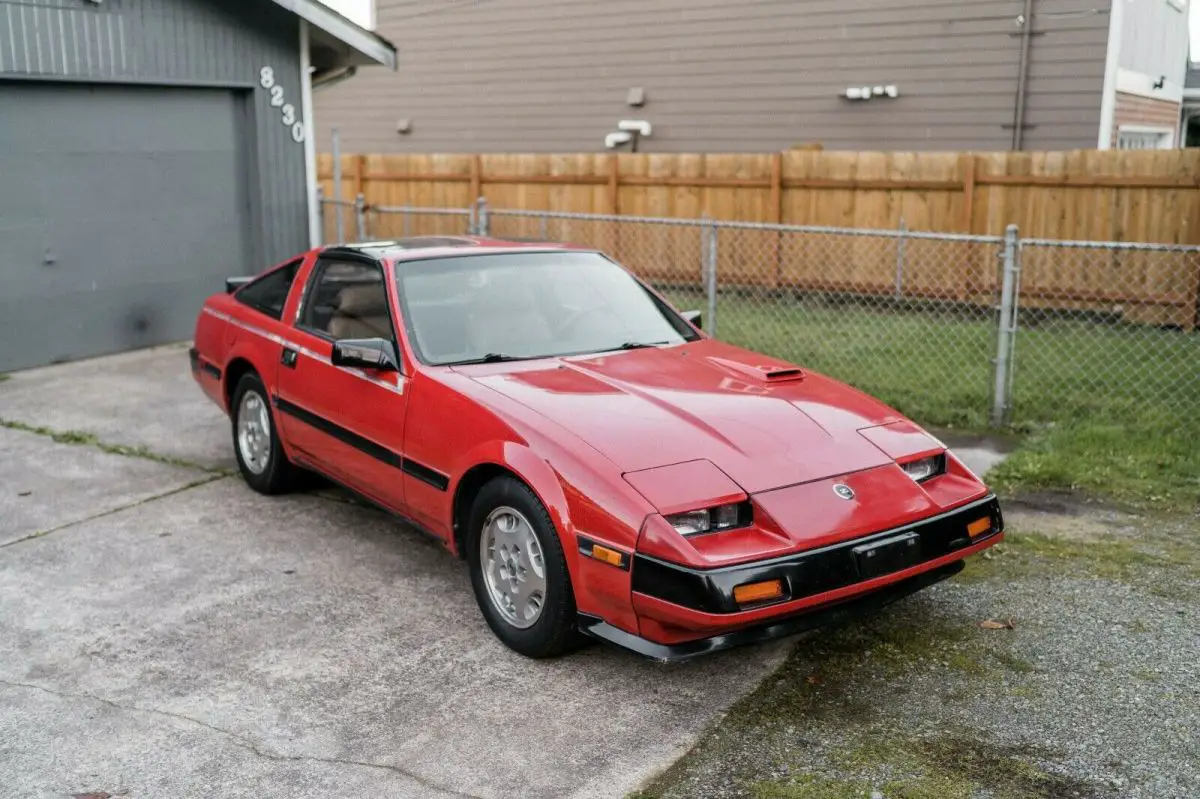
x: 201, y: 365
x: 426, y: 475
x: 340, y: 433
x: 381, y: 453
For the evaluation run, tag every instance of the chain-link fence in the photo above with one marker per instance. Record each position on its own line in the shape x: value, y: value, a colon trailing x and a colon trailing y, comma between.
x: 951, y: 329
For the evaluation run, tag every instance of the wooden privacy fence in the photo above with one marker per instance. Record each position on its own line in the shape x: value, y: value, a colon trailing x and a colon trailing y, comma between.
x: 1086, y: 195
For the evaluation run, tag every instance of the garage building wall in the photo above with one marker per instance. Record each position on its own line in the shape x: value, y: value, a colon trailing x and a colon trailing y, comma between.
x: 203, y: 43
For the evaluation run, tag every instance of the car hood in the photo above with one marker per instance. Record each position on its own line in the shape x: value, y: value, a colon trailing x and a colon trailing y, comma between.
x: 763, y: 422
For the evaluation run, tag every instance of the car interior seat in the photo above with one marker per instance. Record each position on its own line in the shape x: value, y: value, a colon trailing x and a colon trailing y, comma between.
x: 361, y: 312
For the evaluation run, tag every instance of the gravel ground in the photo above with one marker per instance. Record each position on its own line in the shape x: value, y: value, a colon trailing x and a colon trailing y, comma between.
x: 1092, y: 692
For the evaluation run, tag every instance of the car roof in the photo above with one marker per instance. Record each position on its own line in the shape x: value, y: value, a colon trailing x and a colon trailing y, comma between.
x: 417, y: 248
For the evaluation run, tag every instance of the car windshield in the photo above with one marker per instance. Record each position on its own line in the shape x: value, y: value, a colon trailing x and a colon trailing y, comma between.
x: 483, y: 308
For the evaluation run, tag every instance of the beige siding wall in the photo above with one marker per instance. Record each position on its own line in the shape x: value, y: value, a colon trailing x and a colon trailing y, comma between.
x: 1135, y: 110
x: 720, y: 76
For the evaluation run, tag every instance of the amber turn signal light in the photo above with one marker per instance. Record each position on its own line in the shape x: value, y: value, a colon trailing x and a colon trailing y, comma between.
x: 979, y: 527
x: 758, y: 592
x: 610, y: 556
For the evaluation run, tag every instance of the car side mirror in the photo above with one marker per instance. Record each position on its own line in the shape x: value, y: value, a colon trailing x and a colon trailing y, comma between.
x: 365, y: 353
x: 695, y: 317
x: 232, y: 284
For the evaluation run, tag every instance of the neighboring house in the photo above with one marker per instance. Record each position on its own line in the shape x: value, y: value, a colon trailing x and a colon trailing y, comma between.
x: 1144, y: 96
x: 753, y: 75
x: 148, y: 149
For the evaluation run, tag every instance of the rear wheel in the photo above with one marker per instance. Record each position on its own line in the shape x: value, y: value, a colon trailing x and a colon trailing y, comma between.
x: 518, y: 571
x: 256, y: 443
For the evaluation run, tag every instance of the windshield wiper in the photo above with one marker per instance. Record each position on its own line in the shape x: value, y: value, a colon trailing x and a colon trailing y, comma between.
x: 641, y: 345
x: 495, y: 357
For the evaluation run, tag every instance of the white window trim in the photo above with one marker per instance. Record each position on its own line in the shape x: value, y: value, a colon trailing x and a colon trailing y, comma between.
x: 1151, y: 130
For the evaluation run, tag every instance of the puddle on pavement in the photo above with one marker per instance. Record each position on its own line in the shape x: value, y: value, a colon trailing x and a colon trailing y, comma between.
x: 978, y: 451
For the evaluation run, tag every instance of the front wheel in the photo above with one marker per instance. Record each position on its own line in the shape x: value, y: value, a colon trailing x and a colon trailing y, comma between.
x: 260, y: 455
x: 518, y: 571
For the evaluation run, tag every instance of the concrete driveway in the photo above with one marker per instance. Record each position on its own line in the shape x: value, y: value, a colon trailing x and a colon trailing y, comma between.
x: 167, y: 632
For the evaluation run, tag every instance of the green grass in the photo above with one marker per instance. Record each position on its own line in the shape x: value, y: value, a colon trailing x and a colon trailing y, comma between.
x: 85, y: 439
x: 1111, y: 410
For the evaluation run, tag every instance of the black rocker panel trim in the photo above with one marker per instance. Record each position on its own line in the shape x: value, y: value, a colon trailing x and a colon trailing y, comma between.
x: 805, y: 573
x: 381, y: 453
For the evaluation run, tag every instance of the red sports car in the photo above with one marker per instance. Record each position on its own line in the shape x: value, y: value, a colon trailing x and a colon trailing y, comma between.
x: 603, y: 465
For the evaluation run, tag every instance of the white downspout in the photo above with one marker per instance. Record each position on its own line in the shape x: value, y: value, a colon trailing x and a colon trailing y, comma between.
x: 1112, y: 66
x: 310, y: 143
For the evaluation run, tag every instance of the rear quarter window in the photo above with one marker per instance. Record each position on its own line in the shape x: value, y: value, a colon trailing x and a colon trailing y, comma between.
x: 269, y: 293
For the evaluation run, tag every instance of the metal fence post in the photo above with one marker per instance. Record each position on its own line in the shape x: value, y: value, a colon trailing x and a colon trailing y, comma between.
x: 481, y: 217
x: 360, y: 216
x: 320, y: 215
x: 901, y: 241
x: 340, y: 224
x: 709, y: 233
x: 405, y: 221
x: 1007, y: 326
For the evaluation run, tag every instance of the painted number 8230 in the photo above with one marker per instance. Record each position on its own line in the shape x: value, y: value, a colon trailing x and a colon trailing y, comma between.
x: 287, y: 111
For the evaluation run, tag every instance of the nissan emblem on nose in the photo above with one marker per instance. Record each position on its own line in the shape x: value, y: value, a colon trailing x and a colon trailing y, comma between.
x: 844, y: 491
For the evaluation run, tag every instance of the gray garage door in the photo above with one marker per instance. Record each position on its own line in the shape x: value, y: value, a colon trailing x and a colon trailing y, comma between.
x: 121, y: 208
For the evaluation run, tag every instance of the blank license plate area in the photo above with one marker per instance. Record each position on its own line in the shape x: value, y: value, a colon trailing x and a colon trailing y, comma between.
x: 889, y: 555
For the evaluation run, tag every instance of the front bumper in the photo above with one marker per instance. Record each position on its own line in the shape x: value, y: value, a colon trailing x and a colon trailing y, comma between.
x: 685, y: 611
x: 827, y: 615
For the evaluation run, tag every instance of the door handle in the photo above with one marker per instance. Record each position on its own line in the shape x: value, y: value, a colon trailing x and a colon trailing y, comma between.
x: 288, y: 358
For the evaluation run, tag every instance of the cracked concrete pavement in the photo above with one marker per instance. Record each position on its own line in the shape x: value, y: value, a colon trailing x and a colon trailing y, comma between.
x: 168, y: 632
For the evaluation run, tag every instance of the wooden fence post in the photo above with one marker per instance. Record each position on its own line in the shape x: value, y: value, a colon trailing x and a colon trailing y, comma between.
x: 476, y: 177
x: 968, y: 164
x: 614, y: 205
x: 359, y: 169
x: 776, y: 214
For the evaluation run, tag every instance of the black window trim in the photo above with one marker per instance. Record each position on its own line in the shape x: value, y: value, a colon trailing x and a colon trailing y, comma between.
x: 296, y: 263
x: 323, y: 261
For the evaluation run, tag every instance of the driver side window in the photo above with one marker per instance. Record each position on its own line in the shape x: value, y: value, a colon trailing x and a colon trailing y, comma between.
x: 347, y: 299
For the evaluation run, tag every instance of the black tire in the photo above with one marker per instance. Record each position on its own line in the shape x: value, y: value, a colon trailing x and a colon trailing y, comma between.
x: 279, y: 475
x: 555, y: 632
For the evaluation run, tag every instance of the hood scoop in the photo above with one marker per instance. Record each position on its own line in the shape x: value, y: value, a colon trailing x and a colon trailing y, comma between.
x: 765, y: 373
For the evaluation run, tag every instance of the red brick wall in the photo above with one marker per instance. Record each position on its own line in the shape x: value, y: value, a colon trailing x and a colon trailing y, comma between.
x: 1133, y: 109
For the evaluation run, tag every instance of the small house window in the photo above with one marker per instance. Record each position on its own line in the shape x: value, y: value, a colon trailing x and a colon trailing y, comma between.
x: 1139, y: 138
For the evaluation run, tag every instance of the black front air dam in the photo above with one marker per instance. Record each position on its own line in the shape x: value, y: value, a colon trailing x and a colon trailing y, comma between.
x: 823, y: 616
x: 810, y: 572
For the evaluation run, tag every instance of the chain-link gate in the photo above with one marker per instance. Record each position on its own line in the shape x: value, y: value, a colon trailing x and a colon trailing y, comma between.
x: 956, y: 329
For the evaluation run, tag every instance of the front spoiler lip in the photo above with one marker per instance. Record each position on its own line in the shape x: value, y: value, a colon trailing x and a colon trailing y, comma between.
x: 822, y: 616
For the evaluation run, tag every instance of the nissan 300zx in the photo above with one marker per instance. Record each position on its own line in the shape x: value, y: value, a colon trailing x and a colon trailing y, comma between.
x: 605, y: 468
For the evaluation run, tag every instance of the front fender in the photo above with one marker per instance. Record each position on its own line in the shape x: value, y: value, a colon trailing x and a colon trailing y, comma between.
x: 582, y: 500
